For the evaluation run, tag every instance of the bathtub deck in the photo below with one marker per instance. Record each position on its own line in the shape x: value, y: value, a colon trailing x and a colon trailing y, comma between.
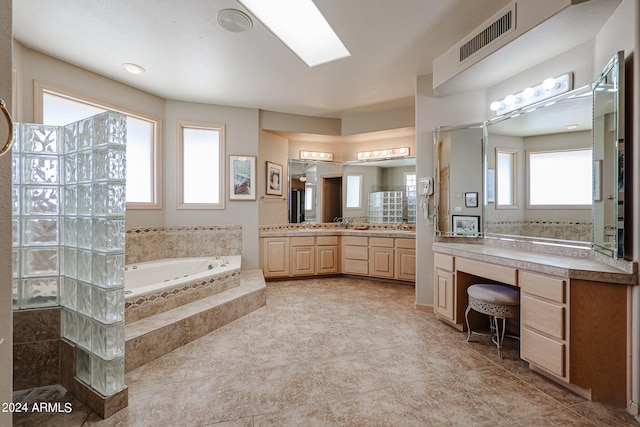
x: 152, y: 337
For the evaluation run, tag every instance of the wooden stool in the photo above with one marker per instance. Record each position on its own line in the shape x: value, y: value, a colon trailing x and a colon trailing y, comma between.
x: 499, y: 302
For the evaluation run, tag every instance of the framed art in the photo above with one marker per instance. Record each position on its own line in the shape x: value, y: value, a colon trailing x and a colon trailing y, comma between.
x: 242, y: 177
x: 274, y: 179
x: 466, y: 225
x: 471, y: 200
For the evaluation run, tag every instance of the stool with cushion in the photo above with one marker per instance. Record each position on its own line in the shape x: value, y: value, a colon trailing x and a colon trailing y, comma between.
x: 499, y: 302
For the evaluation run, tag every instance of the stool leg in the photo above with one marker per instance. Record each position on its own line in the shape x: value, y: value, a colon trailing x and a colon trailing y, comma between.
x: 499, y: 334
x: 466, y: 318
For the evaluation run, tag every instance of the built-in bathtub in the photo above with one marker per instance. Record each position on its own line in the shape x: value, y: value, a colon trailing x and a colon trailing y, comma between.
x: 156, y: 286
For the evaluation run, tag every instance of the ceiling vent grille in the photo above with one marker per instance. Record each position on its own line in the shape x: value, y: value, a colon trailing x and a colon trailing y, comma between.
x: 503, y: 25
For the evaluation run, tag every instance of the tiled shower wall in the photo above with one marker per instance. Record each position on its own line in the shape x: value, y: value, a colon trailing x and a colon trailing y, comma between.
x: 68, y: 236
x: 153, y: 243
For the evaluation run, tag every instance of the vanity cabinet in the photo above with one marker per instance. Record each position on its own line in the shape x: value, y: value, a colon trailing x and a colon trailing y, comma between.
x: 543, y: 319
x: 275, y: 257
x: 302, y: 256
x: 381, y: 259
x: 405, y: 259
x: 444, y: 288
x: 355, y: 255
x: 327, y: 255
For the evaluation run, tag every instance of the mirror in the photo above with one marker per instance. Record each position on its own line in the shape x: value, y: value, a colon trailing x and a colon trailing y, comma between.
x: 459, y: 178
x: 608, y: 158
x: 375, y: 191
x: 315, y: 191
x: 380, y: 191
x: 539, y: 164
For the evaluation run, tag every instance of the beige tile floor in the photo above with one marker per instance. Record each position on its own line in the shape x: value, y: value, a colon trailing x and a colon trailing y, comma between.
x: 339, y: 352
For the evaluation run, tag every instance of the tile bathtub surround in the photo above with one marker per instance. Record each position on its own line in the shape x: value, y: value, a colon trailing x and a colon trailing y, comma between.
x: 152, y: 243
x: 342, y: 352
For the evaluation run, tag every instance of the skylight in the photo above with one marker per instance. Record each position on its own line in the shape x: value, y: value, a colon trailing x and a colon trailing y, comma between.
x: 300, y: 25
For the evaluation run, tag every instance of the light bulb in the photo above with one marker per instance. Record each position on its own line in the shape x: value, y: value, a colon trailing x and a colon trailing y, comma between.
x: 314, y: 155
x: 403, y: 150
x: 322, y: 155
x: 495, y: 106
x: 549, y: 83
x: 529, y: 93
x: 510, y: 100
x: 305, y: 154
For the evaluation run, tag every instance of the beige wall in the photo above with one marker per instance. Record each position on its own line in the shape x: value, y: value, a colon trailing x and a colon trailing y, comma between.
x: 273, y: 148
x: 6, y: 313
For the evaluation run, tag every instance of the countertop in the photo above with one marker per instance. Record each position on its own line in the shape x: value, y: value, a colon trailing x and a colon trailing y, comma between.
x: 584, y: 268
x: 336, y: 231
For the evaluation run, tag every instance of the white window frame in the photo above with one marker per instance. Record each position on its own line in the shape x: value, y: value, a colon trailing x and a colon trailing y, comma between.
x: 41, y: 88
x: 558, y: 205
x: 222, y: 182
x: 513, y: 178
x: 359, y: 189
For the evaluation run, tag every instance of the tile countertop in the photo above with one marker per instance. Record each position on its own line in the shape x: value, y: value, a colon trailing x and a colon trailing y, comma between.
x: 557, y: 265
x: 335, y: 231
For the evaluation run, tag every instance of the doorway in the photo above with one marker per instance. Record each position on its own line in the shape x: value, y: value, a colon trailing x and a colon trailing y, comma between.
x: 331, y: 198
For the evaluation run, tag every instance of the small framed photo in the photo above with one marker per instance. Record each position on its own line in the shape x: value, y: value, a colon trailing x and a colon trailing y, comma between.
x: 242, y: 177
x: 274, y: 179
x: 466, y: 225
x: 471, y: 200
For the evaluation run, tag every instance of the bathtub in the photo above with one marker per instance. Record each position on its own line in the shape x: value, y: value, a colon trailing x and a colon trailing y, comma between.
x: 169, y: 277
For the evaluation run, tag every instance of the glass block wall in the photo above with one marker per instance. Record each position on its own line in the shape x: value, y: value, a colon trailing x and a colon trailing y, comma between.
x: 69, y: 236
x: 385, y: 207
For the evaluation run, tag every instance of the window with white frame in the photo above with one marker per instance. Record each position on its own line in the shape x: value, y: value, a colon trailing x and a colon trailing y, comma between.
x: 560, y: 178
x: 354, y: 191
x: 62, y: 106
x: 200, y: 166
x: 506, y: 182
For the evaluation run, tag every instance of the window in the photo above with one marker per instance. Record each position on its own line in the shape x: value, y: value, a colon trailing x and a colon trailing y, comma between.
x: 506, y: 183
x: 200, y: 166
x: 61, y: 106
x: 354, y: 192
x: 560, y: 178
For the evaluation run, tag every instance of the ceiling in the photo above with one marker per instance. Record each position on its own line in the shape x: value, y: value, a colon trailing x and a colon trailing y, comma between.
x: 189, y: 57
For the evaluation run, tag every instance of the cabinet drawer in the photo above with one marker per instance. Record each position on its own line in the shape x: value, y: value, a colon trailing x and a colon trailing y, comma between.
x: 543, y: 316
x: 442, y: 261
x: 385, y: 242
x: 542, y: 351
x: 327, y: 240
x: 355, y: 240
x: 355, y: 252
x: 356, y: 267
x: 499, y: 273
x: 406, y: 243
x: 552, y: 288
x: 303, y: 241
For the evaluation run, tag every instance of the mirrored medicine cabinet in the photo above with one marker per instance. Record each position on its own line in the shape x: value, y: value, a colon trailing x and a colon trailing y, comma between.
x: 372, y: 191
x: 551, y: 172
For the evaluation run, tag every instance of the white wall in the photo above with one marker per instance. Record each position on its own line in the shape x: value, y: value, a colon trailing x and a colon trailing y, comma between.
x: 6, y: 312
x: 273, y: 148
x: 241, y: 128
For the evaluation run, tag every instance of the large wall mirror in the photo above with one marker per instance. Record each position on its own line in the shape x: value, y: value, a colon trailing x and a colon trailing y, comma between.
x: 374, y: 191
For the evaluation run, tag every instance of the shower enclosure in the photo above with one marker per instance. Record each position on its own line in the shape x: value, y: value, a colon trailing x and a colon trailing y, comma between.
x: 68, y: 213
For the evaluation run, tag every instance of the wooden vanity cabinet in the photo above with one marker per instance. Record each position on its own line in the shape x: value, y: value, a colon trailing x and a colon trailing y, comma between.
x: 381, y: 257
x: 543, y: 320
x: 303, y: 256
x: 444, y: 288
x: 327, y: 255
x: 355, y: 255
x: 275, y: 257
x: 405, y: 259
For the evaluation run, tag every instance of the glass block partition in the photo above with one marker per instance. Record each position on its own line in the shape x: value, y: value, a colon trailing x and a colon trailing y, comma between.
x: 69, y: 236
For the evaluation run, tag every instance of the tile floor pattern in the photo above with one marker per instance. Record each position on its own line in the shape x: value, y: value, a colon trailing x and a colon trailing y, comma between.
x: 338, y: 352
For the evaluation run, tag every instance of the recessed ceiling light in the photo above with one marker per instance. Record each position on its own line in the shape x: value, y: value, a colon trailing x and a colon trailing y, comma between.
x: 300, y: 25
x: 133, y: 68
x: 571, y: 127
x: 234, y: 20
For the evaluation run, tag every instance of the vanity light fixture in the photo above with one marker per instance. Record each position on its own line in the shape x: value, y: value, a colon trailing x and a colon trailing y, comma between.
x: 386, y: 153
x: 549, y: 88
x: 316, y: 155
x: 133, y: 68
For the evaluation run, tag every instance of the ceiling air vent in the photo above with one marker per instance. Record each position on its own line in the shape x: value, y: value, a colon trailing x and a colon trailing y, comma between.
x: 503, y: 25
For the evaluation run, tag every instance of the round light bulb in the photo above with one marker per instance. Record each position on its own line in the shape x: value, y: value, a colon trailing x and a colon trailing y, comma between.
x: 360, y: 155
x: 367, y: 154
x: 376, y: 154
x: 495, y: 106
x: 510, y: 100
x: 314, y: 155
x: 549, y: 83
x: 322, y: 155
x: 305, y: 154
x: 385, y: 152
x: 529, y: 93
x: 403, y: 150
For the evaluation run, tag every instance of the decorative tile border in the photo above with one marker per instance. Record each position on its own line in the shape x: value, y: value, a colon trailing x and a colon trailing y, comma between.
x: 334, y: 225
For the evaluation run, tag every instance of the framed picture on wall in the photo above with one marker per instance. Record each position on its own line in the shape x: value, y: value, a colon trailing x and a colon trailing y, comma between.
x: 466, y: 225
x: 471, y: 200
x: 242, y: 177
x: 274, y: 179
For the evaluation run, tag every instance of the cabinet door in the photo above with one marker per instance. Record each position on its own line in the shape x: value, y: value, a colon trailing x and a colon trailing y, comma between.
x: 444, y: 291
x: 327, y: 260
x: 275, y: 257
x: 405, y: 264
x: 302, y: 261
x: 381, y: 262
